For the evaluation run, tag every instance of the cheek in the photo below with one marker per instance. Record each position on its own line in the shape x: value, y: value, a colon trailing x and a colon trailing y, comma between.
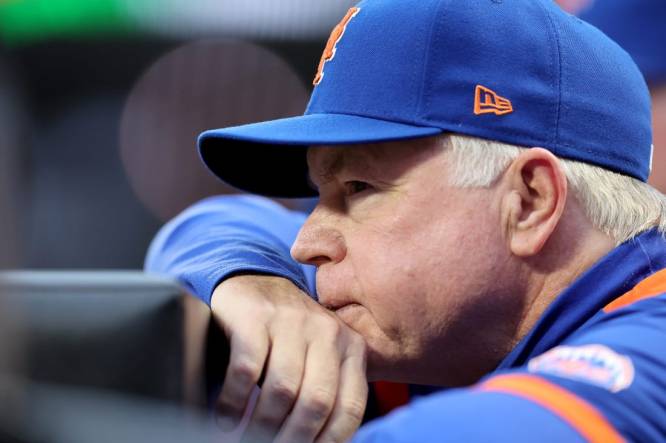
x: 396, y: 272
x: 415, y: 271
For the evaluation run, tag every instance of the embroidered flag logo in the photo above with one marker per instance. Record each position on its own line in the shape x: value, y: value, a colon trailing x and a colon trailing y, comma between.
x: 594, y: 364
x: 331, y: 45
x: 487, y: 101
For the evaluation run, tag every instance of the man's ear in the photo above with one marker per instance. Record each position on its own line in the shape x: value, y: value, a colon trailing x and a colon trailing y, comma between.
x: 535, y: 195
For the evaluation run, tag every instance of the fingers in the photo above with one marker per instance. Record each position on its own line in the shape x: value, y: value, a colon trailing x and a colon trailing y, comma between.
x: 246, y: 363
x: 314, y: 388
x: 351, y: 400
x: 319, y: 389
x: 283, y: 380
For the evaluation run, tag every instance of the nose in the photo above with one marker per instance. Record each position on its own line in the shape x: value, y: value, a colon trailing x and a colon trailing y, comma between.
x: 319, y: 241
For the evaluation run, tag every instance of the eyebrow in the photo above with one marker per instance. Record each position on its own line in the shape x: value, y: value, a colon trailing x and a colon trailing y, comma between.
x: 335, y: 163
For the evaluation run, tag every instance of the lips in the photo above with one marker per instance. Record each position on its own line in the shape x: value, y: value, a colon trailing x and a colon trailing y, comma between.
x: 331, y: 295
x: 334, y: 302
x: 344, y: 308
x: 336, y: 306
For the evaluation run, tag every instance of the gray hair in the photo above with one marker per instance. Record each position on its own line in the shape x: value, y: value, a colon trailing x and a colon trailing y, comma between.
x: 618, y: 205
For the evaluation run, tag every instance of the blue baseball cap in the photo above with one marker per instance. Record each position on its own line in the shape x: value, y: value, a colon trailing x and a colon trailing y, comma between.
x: 517, y: 71
x: 639, y: 26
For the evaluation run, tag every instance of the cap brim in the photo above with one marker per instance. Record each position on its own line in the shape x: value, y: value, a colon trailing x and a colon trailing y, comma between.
x: 269, y: 158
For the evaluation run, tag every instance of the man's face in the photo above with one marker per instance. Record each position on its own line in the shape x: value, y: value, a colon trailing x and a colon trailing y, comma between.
x: 416, y: 266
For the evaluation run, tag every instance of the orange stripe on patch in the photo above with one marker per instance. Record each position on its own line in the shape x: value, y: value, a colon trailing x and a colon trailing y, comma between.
x: 579, y: 414
x: 650, y: 287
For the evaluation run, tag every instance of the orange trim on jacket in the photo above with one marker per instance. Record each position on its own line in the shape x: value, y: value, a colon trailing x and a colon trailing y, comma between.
x: 579, y: 414
x: 650, y: 287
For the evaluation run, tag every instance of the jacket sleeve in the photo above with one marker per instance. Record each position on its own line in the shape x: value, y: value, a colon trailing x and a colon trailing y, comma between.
x: 227, y: 235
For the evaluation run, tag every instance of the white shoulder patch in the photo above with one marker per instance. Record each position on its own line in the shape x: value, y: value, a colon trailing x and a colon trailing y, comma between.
x: 594, y: 364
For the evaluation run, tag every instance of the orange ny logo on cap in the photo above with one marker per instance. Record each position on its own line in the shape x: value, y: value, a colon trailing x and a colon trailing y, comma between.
x: 487, y: 101
x: 333, y: 40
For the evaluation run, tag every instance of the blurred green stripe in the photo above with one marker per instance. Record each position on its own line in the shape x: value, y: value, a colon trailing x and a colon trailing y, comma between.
x: 27, y: 21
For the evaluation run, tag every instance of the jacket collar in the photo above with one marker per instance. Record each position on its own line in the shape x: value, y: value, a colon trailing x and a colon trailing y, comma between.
x: 612, y: 276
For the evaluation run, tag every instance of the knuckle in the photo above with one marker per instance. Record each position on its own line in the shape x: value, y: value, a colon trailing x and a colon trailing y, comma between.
x: 230, y: 405
x: 292, y: 315
x: 333, y: 325
x: 303, y: 429
x: 283, y: 391
x: 245, y: 372
x: 353, y: 410
x: 329, y: 328
x: 318, y: 404
x: 268, y: 418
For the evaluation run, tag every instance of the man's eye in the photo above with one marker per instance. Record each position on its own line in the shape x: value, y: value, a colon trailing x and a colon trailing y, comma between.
x: 354, y: 187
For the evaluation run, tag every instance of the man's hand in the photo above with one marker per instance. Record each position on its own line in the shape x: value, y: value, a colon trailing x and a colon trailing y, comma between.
x: 313, y: 366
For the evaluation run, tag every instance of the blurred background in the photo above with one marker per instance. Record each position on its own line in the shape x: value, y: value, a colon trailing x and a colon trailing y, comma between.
x: 101, y: 102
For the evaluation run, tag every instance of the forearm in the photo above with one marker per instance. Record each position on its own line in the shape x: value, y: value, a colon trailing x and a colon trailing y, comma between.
x: 228, y: 235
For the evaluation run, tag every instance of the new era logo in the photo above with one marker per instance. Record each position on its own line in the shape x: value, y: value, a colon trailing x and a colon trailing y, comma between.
x: 487, y: 101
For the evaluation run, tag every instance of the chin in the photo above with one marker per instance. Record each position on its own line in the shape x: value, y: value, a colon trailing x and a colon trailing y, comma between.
x: 385, y: 362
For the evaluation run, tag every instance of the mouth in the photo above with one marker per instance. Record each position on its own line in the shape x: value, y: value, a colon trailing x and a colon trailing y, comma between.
x: 345, y: 307
x: 335, y: 305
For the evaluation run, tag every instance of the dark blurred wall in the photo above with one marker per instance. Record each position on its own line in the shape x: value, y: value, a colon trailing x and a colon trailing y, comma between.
x: 83, y: 213
x: 12, y: 187
x: 80, y: 211
x: 99, y: 108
